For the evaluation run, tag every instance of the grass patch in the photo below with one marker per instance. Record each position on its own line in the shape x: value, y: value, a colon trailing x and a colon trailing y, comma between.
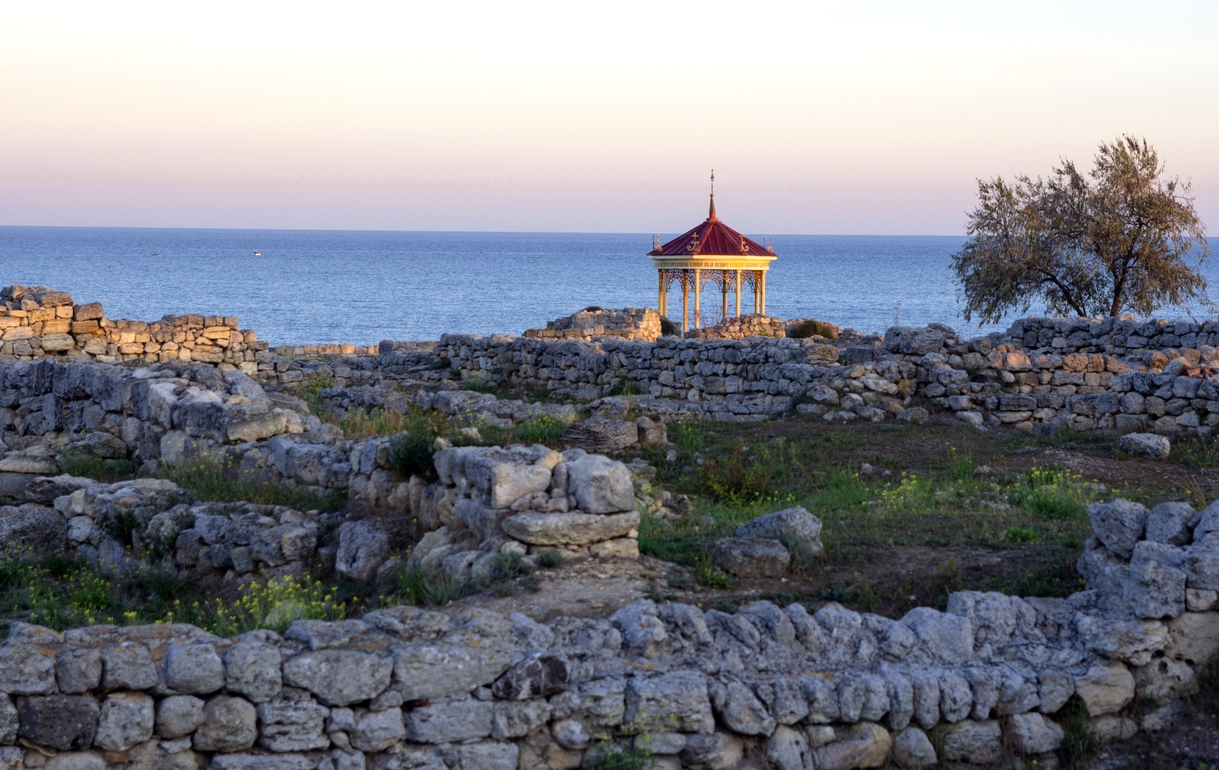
x: 214, y: 478
x: 97, y: 468
x: 1195, y: 452
x: 550, y: 559
x: 542, y: 429
x: 477, y: 384
x: 1079, y: 743
x: 64, y: 593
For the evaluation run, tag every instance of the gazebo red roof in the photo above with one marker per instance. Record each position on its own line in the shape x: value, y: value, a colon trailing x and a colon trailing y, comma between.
x: 712, y: 238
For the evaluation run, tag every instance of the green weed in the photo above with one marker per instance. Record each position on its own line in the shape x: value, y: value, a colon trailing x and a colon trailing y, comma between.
x: 215, y: 479
x: 90, y: 467
x: 410, y: 454
x: 550, y: 559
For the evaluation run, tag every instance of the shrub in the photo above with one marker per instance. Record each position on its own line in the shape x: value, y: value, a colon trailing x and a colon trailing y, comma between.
x: 441, y: 363
x: 592, y: 309
x: 814, y: 328
x: 1053, y: 494
x: 1020, y: 535
x: 424, y: 588
x: 273, y: 605
x: 510, y: 565
x: 550, y: 559
x: 410, y: 454
x: 714, y: 577
x: 1079, y: 744
x: 668, y: 328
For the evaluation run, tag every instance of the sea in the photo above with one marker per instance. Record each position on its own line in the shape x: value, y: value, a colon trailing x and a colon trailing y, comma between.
x: 297, y: 287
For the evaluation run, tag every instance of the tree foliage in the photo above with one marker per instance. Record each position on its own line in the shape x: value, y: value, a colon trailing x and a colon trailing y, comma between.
x: 1119, y: 239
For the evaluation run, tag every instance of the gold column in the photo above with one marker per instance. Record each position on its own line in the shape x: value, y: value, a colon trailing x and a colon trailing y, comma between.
x: 660, y: 293
x: 698, y: 292
x: 763, y: 292
x: 724, y: 293
x: 685, y: 301
x: 757, y: 291
x: 738, y: 293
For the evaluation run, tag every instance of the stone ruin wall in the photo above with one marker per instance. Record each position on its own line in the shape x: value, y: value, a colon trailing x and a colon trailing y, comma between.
x: 734, y: 328
x: 1113, y: 374
x: 39, y: 322
x: 408, y: 689
x: 630, y: 323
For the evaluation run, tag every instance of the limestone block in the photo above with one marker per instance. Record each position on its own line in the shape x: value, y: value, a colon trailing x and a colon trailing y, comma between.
x: 63, y: 722
x: 128, y: 666
x: 514, y: 719
x: 252, y: 669
x: 488, y: 755
x: 11, y: 758
x: 229, y: 724
x: 948, y: 637
x: 1171, y: 523
x: 1202, y: 562
x: 677, y: 701
x: 434, y: 671
x: 178, y: 715
x: 25, y: 670
x: 1032, y: 733
x: 292, y: 721
x: 1193, y: 637
x: 795, y: 523
x: 788, y: 749
x: 76, y: 760
x: 570, y: 734
x: 164, y: 755
x: 1118, y: 524
x: 618, y: 548
x: 537, y: 676
x: 974, y: 742
x: 242, y: 761
x: 600, y: 485
x: 28, y: 529
x: 79, y: 670
x: 194, y: 669
x: 339, y: 677
x: 751, y: 558
x: 9, y: 721
x: 569, y: 528
x: 1145, y: 444
x: 1127, y: 639
x: 127, y: 718
x: 1105, y: 689
x: 362, y: 549
x: 912, y: 750
x: 1163, y: 679
x: 739, y: 709
x: 715, y: 751
x: 378, y: 730
x: 450, y: 720
x: 859, y: 746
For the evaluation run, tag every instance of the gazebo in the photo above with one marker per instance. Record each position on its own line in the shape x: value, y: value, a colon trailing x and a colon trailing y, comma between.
x: 712, y: 253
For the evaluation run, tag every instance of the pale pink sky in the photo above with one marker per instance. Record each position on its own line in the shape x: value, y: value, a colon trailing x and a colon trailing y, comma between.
x: 818, y: 118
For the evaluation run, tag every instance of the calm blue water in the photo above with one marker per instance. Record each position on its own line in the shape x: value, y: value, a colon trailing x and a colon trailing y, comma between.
x: 363, y: 287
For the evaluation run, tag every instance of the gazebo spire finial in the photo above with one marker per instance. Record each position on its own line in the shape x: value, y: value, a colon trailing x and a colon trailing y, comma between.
x: 711, y: 214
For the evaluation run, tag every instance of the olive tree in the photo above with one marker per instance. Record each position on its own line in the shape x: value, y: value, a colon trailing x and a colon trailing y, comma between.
x: 1122, y: 238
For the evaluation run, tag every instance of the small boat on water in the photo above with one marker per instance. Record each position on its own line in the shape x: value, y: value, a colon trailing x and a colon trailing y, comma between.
x: 258, y: 253
x: 156, y: 254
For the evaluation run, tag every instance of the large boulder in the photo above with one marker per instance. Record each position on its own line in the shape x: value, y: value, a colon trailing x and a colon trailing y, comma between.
x: 569, y: 528
x: 601, y: 435
x: 1119, y: 525
x: 31, y: 530
x: 600, y: 485
x: 363, y: 547
x: 792, y: 526
x: 1145, y: 445
x: 750, y: 557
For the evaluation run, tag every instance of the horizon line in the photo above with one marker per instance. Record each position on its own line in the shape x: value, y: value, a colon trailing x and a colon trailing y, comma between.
x: 452, y: 232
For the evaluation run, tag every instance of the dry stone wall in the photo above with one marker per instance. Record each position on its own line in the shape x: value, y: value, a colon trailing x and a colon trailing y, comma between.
x: 766, y: 686
x: 738, y: 328
x: 39, y: 322
x: 630, y: 323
